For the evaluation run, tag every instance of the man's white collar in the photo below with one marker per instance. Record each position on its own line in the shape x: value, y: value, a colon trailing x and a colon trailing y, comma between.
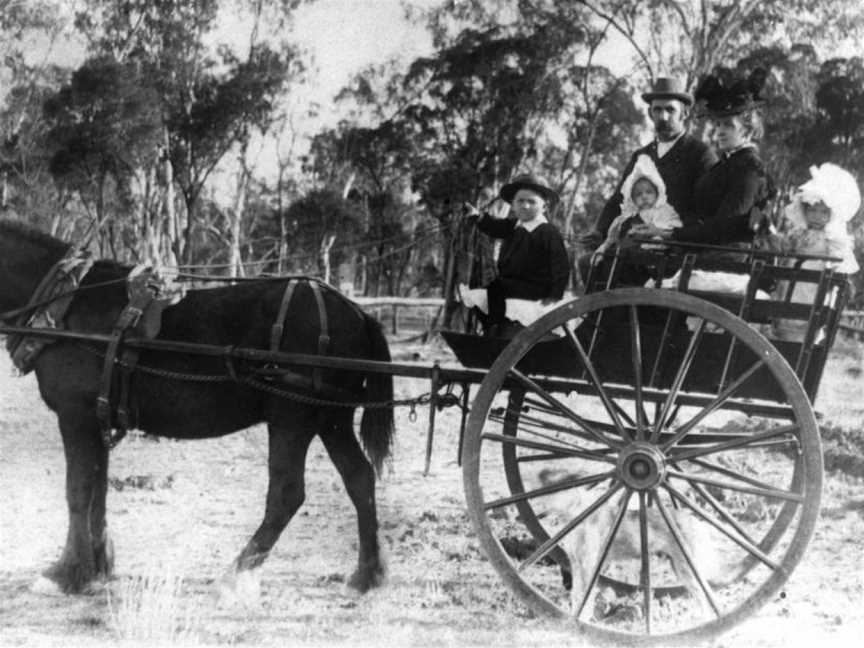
x: 664, y: 147
x: 533, y: 224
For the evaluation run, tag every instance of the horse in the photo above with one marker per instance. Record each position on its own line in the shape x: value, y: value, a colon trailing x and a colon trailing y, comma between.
x: 241, y: 315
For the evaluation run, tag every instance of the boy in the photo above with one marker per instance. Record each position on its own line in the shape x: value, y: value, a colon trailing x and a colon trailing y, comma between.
x: 532, y: 263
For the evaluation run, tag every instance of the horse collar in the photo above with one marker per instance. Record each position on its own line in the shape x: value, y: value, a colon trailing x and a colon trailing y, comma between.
x: 57, y: 288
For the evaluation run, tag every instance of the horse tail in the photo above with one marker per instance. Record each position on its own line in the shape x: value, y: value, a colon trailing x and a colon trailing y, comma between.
x: 376, y: 426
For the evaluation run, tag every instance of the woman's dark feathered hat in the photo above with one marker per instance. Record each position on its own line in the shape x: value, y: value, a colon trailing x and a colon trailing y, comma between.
x: 733, y: 97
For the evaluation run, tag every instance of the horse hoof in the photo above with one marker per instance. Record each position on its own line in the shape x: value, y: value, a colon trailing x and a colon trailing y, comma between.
x: 70, y: 578
x: 105, y: 560
x: 364, y: 580
x: 240, y: 589
x: 46, y: 587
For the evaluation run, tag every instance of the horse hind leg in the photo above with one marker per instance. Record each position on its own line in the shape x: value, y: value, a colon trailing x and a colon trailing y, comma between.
x: 359, y: 479
x: 285, y: 495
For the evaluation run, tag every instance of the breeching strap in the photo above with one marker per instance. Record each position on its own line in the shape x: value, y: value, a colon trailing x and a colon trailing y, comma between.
x: 278, y: 328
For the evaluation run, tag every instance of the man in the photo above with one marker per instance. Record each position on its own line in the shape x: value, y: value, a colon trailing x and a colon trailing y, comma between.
x: 679, y: 157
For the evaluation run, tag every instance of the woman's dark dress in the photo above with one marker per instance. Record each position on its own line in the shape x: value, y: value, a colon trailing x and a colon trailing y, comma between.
x: 531, y: 265
x: 724, y: 199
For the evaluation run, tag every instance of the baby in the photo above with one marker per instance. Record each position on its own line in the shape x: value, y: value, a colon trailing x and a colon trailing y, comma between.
x: 644, y: 202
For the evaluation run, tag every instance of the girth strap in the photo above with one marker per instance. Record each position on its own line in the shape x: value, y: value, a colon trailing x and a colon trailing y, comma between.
x: 142, y: 292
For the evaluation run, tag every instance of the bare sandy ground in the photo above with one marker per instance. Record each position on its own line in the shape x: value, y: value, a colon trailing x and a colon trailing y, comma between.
x: 186, y: 509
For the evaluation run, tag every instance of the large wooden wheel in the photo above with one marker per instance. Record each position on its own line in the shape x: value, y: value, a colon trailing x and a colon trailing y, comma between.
x: 628, y: 463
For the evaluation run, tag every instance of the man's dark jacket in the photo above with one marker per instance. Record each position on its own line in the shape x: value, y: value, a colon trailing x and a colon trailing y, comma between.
x: 682, y: 165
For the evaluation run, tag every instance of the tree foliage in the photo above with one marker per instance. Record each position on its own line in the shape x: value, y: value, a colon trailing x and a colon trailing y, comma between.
x: 156, y: 132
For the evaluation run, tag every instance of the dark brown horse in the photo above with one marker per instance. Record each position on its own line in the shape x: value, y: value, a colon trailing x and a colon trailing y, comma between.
x: 68, y: 373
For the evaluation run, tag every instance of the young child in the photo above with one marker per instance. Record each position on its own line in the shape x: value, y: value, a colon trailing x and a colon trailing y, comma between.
x: 532, y: 262
x: 815, y: 221
x: 644, y: 203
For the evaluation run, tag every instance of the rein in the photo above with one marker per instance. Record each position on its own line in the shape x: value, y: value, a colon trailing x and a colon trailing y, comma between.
x: 34, y: 306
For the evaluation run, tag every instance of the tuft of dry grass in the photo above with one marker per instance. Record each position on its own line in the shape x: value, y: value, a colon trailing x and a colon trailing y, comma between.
x: 152, y: 609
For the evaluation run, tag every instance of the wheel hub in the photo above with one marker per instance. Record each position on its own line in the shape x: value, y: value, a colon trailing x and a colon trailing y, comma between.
x: 641, y: 465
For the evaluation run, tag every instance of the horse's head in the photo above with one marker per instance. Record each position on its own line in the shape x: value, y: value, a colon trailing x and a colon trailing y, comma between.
x: 26, y: 255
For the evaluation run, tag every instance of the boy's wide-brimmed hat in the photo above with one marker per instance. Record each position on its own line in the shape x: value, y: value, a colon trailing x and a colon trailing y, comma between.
x: 720, y: 98
x: 528, y: 181
x: 668, y: 88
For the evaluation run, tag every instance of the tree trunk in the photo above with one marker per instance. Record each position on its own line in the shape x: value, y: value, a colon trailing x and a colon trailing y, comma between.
x: 174, y: 247
x: 326, y: 244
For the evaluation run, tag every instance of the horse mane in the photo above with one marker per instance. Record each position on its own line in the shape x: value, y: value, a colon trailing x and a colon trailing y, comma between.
x: 31, y: 235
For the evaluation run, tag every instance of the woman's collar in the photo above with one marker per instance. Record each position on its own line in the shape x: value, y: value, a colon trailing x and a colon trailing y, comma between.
x: 740, y: 147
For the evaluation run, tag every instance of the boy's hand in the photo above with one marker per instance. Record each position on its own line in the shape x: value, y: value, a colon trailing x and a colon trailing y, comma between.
x: 470, y: 211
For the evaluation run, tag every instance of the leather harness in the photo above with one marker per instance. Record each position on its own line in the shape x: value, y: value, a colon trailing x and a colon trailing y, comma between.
x: 278, y: 327
x: 141, y: 315
x: 143, y: 291
x: 55, y: 291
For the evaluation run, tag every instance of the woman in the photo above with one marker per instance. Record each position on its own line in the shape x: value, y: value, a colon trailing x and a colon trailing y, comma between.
x: 532, y: 263
x: 730, y: 198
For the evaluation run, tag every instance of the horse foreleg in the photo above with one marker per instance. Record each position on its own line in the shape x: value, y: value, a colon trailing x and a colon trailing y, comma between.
x: 83, y: 559
x: 359, y: 480
x: 285, y: 494
x: 103, y: 547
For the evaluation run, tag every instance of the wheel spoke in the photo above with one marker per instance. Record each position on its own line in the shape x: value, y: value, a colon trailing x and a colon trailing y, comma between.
x: 552, y: 542
x: 537, y: 445
x: 724, y: 514
x: 682, y: 545
x: 738, y: 442
x: 539, y: 429
x: 626, y: 418
x: 636, y: 358
x: 598, y: 385
x: 546, y: 456
x: 564, y: 484
x: 645, y: 568
x: 717, y: 524
x: 599, y: 425
x: 680, y: 376
x: 711, y: 407
x: 604, y: 552
x: 529, y: 424
x: 788, y: 496
x: 573, y: 416
x: 730, y: 473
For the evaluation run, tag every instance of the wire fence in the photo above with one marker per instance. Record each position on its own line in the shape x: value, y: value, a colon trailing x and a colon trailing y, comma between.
x: 852, y: 323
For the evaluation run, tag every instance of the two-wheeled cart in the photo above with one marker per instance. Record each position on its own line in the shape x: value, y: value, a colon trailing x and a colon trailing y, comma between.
x: 609, y: 472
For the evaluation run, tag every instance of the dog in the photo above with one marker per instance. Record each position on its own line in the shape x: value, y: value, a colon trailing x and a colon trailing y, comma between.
x: 583, y: 545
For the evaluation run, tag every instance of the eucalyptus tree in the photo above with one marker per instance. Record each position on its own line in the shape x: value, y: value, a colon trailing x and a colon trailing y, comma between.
x: 691, y: 37
x: 27, y: 76
x: 208, y: 102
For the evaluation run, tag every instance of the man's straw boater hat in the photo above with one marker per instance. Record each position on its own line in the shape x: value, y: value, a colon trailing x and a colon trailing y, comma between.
x: 528, y: 181
x: 668, y: 88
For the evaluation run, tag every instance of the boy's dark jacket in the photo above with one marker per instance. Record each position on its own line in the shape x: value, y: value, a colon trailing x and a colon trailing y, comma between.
x: 531, y: 265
